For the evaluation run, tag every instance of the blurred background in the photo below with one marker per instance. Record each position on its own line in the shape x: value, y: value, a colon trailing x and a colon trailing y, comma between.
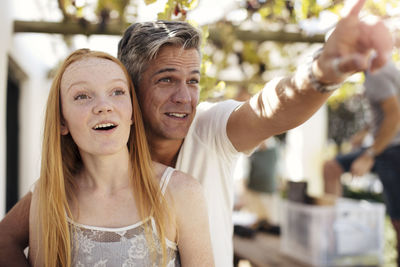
x: 246, y: 43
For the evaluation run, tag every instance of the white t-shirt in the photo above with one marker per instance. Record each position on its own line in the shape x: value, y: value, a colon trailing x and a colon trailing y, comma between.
x: 208, y: 155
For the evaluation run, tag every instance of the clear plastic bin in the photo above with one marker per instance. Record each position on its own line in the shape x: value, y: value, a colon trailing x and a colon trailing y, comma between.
x: 350, y: 233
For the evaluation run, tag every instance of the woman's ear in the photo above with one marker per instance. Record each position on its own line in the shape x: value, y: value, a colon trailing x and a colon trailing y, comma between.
x: 64, y: 129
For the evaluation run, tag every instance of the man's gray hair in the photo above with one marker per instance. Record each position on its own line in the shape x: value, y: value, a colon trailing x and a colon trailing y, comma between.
x: 142, y: 41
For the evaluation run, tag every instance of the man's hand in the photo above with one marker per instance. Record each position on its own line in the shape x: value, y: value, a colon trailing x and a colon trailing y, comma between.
x: 14, y: 234
x: 353, y: 46
x: 362, y: 165
x: 285, y: 103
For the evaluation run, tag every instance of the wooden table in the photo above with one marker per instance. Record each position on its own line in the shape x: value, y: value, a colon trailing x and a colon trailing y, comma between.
x: 263, y: 250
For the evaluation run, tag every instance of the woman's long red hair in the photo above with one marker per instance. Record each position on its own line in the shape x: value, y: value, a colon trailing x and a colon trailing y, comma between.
x: 61, y: 162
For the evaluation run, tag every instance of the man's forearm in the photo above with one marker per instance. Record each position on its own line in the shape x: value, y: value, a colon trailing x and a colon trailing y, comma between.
x: 11, y: 254
x: 291, y: 102
x: 280, y: 106
x: 286, y: 103
x: 14, y: 234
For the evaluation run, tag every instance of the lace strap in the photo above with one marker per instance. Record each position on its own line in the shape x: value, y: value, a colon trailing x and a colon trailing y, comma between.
x: 165, y: 179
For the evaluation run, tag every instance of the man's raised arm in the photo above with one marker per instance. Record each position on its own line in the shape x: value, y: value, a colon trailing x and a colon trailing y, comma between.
x: 14, y: 234
x: 287, y: 102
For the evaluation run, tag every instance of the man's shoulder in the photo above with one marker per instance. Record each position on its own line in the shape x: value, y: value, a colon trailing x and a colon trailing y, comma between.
x: 208, y: 129
x: 209, y: 108
x: 212, y: 115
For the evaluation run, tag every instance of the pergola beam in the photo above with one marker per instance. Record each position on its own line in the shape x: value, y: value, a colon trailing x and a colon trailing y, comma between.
x: 71, y: 28
x: 67, y: 28
x: 276, y: 36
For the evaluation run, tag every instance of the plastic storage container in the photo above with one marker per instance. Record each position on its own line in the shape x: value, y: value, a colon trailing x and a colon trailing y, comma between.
x: 350, y: 233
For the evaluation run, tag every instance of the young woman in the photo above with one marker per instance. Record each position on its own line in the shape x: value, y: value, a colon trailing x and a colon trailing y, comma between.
x: 100, y: 200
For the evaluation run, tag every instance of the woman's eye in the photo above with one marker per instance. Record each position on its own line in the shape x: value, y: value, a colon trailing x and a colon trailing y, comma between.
x: 118, y: 92
x: 81, y: 97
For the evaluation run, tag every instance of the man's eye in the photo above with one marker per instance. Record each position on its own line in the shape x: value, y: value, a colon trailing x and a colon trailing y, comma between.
x: 81, y: 97
x: 118, y: 92
x: 165, y: 80
x: 193, y: 81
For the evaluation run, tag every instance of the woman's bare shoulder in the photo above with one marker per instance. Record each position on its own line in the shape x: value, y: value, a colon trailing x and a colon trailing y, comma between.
x: 183, y: 186
x: 180, y: 184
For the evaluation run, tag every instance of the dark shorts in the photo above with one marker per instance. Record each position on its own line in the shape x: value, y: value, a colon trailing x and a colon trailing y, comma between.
x: 387, y: 167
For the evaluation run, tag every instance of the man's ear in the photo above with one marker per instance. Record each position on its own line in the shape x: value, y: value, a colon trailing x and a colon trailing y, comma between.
x: 64, y: 129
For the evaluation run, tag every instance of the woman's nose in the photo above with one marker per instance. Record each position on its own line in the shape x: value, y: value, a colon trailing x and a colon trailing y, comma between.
x: 102, y: 106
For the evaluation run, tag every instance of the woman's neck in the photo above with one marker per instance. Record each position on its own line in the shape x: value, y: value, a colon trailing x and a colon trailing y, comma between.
x: 106, y: 173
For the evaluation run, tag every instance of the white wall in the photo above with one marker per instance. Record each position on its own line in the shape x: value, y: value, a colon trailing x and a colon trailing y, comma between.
x: 5, y: 37
x: 33, y: 97
x: 305, y: 151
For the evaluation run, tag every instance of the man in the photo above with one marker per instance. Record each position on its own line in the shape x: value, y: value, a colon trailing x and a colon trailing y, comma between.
x: 163, y: 59
x: 382, y: 90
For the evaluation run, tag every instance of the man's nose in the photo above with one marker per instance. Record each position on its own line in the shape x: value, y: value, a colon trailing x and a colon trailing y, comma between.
x: 182, y: 94
x: 102, y: 106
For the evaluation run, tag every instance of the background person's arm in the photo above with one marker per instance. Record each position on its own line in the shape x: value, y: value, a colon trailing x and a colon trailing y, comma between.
x: 288, y: 102
x: 14, y: 234
x: 390, y: 124
x: 357, y: 139
x: 387, y: 130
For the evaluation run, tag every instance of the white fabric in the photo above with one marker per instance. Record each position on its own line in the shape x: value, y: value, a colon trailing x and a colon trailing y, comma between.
x: 125, y: 246
x: 165, y: 179
x: 209, y: 156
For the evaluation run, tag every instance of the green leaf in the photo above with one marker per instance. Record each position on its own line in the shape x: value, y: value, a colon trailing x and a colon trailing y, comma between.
x: 148, y: 2
x: 168, y: 10
x: 189, y: 4
x: 265, y: 11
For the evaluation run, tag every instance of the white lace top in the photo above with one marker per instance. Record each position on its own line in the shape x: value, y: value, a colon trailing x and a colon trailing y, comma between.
x: 127, y: 246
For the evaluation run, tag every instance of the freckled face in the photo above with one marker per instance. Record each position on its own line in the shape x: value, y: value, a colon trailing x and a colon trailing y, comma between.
x: 96, y: 106
x: 169, y: 92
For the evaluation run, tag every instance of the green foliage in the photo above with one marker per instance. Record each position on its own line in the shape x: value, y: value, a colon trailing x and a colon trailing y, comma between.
x: 307, y: 7
x: 209, y: 85
x: 274, y: 10
x: 265, y: 12
x: 168, y: 10
x: 379, y: 8
x: 336, y: 8
x: 390, y: 250
x: 256, y: 60
x: 249, y: 52
x: 345, y: 92
x: 278, y: 7
x: 104, y: 7
x: 176, y: 9
x: 396, y: 56
x: 148, y: 2
x: 358, y: 194
x: 348, y: 113
x: 190, y: 4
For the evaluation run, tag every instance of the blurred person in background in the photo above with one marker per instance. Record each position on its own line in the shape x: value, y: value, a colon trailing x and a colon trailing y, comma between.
x: 382, y: 90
